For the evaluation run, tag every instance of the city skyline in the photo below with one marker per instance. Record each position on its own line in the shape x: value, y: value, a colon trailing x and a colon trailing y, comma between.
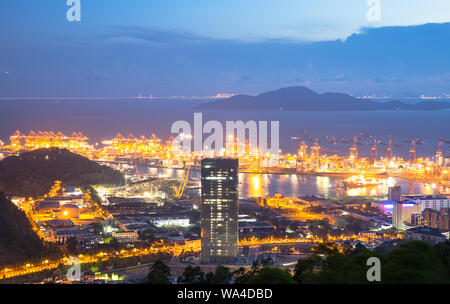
x: 207, y: 147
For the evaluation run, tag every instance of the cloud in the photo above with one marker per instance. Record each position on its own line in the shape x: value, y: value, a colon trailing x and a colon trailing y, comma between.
x: 151, y: 35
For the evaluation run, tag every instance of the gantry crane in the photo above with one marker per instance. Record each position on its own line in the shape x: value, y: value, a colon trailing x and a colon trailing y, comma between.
x: 315, y: 150
x: 412, y: 152
x: 440, y: 153
x: 389, y: 153
x: 354, y: 148
x: 374, y: 151
x: 184, y: 180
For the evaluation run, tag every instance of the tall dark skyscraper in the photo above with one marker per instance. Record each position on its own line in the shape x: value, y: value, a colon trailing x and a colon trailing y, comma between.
x: 395, y: 194
x: 219, y: 212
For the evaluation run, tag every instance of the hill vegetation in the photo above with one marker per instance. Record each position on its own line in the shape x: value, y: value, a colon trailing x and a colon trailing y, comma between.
x: 33, y: 173
x: 409, y: 262
x: 18, y: 241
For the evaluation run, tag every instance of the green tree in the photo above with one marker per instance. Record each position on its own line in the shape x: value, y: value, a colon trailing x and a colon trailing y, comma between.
x: 328, y: 265
x: 192, y: 275
x: 411, y: 262
x: 272, y: 275
x: 240, y: 276
x: 222, y: 275
x: 443, y: 254
x: 159, y: 273
x: 414, y: 262
x: 305, y: 267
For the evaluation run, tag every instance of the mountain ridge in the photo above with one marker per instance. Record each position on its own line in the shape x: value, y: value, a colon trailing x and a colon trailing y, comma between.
x: 302, y: 98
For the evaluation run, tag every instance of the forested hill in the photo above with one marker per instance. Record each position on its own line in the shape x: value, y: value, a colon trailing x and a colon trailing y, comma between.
x: 18, y: 241
x: 33, y: 173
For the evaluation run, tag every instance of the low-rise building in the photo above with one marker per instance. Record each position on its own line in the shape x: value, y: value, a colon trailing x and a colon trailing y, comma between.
x: 435, y: 202
x: 170, y: 221
x: 61, y: 235
x: 64, y: 223
x: 126, y: 236
x: 426, y: 234
x: 437, y: 219
x: 431, y: 218
x: 67, y: 211
x: 444, y: 219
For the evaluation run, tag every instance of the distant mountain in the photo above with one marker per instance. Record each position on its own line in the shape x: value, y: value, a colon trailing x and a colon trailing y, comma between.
x: 33, y: 173
x: 304, y: 99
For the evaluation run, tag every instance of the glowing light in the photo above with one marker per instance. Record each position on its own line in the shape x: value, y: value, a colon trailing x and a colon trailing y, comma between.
x: 256, y: 182
x: 391, y: 181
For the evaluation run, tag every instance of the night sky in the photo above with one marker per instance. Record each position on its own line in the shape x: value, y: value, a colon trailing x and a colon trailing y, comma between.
x: 202, y: 48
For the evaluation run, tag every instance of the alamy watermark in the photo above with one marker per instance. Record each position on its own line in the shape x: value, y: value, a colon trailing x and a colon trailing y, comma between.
x: 237, y: 137
x: 74, y: 11
x: 374, y: 12
x: 374, y: 272
x: 74, y: 272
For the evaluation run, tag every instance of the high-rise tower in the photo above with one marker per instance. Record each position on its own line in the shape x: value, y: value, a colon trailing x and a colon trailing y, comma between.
x: 219, y: 211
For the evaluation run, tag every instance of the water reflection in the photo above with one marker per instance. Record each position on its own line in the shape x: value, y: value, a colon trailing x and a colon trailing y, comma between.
x: 257, y: 185
x: 323, y: 185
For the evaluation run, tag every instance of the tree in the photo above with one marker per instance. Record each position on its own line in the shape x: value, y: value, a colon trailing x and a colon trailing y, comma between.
x: 159, y: 273
x: 18, y: 241
x: 443, y: 254
x: 329, y: 265
x: 415, y: 262
x: 411, y: 262
x: 305, y: 267
x: 72, y: 245
x: 192, y: 275
x: 240, y: 276
x: 222, y: 275
x: 272, y: 275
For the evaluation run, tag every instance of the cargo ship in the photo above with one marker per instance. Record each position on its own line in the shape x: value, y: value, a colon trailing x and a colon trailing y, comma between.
x: 360, y: 181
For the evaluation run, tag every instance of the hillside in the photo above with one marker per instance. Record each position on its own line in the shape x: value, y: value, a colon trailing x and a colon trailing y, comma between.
x: 304, y: 99
x: 18, y: 242
x: 33, y: 173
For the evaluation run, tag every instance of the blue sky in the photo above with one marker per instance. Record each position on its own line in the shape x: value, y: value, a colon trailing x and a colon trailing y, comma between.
x: 123, y: 48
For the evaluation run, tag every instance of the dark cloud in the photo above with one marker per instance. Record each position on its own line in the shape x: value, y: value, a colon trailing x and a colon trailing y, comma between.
x: 129, y: 60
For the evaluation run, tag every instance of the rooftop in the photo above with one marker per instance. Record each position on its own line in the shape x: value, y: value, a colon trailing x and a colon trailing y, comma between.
x: 426, y: 230
x: 424, y: 197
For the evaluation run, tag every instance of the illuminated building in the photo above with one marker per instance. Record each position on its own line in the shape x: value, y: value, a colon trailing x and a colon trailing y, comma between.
x: 170, y: 221
x: 444, y: 219
x: 67, y: 211
x: 62, y: 235
x: 219, y: 212
x: 125, y: 236
x: 397, y: 221
x: 437, y: 219
x: 394, y: 194
x: 403, y: 213
x: 434, y: 202
x: 431, y: 218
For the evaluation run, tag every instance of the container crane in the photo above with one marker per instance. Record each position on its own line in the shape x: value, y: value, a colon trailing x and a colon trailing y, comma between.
x: 179, y: 191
